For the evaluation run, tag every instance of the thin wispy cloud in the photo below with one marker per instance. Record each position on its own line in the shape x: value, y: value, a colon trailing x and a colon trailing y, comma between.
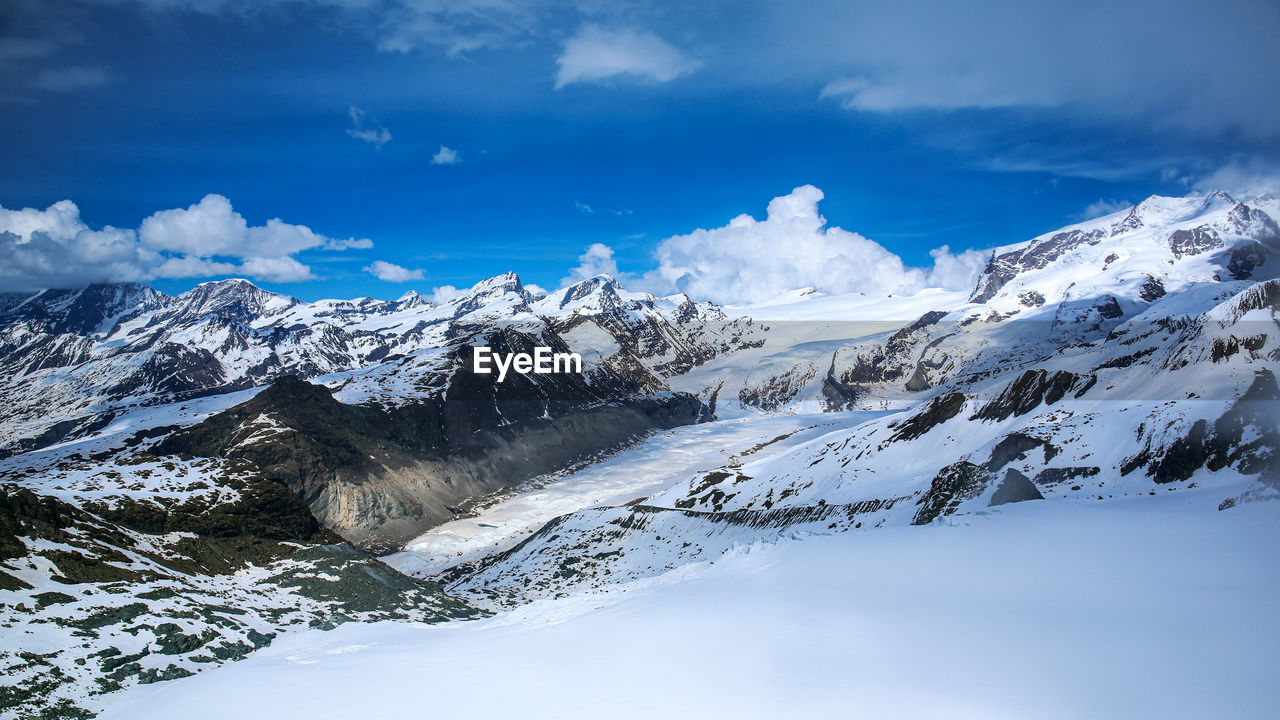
x: 583, y: 207
x: 596, y: 53
x: 446, y: 156
x: 1101, y: 207
x: 363, y: 129
x: 1125, y: 61
x: 70, y: 79
x: 1241, y: 176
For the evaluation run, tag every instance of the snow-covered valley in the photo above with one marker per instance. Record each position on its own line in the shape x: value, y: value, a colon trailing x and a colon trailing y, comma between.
x: 652, y: 467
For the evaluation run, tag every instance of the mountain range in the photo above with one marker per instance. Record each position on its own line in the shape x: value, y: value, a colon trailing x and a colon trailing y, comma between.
x: 207, y: 456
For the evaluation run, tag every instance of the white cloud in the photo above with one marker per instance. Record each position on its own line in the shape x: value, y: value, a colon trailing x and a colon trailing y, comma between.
x: 1119, y: 60
x: 1173, y: 174
x: 1101, y: 207
x: 948, y: 92
x: 69, y: 79
x: 186, y: 266
x: 456, y: 26
x: 446, y: 156
x: 276, y: 269
x: 348, y: 244
x: 361, y: 129
x: 445, y: 293
x: 213, y: 227
x: 537, y: 290
x: 583, y: 207
x: 597, y: 260
x: 209, y: 227
x: 390, y: 272
x: 596, y: 53
x: 1243, y: 178
x: 751, y: 260
x: 955, y: 272
x: 54, y: 247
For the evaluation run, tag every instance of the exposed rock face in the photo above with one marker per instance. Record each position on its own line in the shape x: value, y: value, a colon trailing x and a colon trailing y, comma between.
x: 1195, y: 241
x: 1015, y: 447
x: 1039, y: 253
x: 1029, y: 391
x: 381, y: 476
x: 779, y: 390
x: 176, y: 602
x: 1244, y: 260
x: 938, y: 411
x: 1247, y: 437
x: 68, y: 358
x: 953, y: 485
x: 1015, y: 487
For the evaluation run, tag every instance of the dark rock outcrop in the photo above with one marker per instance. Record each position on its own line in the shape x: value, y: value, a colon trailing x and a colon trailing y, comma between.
x: 1015, y: 487
x: 1028, y: 392
x: 1224, y: 443
x: 952, y: 485
x: 938, y: 411
x: 380, y: 476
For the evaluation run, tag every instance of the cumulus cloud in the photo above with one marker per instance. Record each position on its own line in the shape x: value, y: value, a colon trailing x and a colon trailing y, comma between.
x: 750, y: 260
x: 597, y: 260
x: 445, y: 293
x: 446, y: 156
x: 1101, y: 207
x: 54, y: 247
x: 536, y: 290
x: 955, y: 272
x: 596, y: 53
x: 390, y: 272
x: 276, y: 269
x: 363, y: 129
x: 213, y: 227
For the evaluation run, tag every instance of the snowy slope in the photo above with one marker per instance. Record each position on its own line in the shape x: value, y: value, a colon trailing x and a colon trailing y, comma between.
x: 1145, y: 608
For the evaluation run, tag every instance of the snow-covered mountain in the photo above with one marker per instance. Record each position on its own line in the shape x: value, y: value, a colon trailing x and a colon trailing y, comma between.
x: 74, y: 359
x: 1124, y: 357
x: 1107, y: 360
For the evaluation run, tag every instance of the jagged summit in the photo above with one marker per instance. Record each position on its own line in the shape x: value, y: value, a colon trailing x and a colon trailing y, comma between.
x: 1161, y: 241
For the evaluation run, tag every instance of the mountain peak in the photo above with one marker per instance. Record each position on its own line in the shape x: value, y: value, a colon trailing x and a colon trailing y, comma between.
x: 603, y: 284
x: 235, y: 297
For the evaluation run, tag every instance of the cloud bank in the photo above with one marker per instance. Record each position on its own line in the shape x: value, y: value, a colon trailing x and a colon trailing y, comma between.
x: 55, y: 248
x: 751, y: 260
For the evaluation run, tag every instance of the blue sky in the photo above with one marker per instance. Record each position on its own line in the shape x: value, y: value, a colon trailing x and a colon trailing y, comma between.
x: 923, y: 125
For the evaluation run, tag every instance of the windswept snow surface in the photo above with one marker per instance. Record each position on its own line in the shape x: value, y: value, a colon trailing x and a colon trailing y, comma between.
x: 650, y: 467
x: 1145, y: 608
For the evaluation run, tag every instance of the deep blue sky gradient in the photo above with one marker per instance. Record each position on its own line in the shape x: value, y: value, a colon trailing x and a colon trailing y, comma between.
x: 255, y: 107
